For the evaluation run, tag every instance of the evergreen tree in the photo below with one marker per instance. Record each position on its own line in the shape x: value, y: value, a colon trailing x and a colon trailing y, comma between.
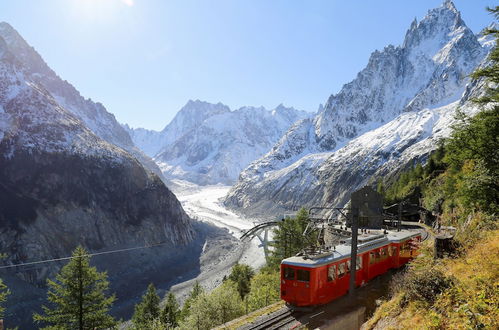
x: 171, y: 312
x: 78, y: 297
x: 196, y: 291
x: 148, y: 309
x: 4, y: 292
x: 380, y: 188
x: 241, y: 275
x: 289, y: 238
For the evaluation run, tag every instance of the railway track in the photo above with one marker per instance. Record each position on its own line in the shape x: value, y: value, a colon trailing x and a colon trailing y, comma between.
x: 279, y: 320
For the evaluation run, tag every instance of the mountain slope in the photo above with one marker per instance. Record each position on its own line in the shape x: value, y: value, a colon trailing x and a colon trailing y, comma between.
x: 208, y: 143
x: 54, y: 169
x: 62, y: 185
x: 419, y: 78
x: 92, y: 114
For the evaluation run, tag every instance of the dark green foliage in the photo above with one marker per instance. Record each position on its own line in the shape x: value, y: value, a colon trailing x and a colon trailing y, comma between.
x: 78, y: 297
x: 423, y: 286
x: 289, y: 238
x: 380, y: 188
x: 170, y: 314
x: 241, y: 275
x: 4, y: 292
x: 148, y: 309
x: 196, y: 291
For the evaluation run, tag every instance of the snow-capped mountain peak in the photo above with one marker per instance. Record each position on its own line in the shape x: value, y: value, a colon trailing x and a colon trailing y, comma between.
x: 429, y: 70
x: 208, y: 143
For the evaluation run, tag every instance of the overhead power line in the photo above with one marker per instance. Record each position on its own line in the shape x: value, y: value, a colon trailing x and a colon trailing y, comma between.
x: 86, y: 255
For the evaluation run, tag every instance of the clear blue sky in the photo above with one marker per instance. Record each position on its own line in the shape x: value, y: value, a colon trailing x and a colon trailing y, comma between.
x: 144, y: 59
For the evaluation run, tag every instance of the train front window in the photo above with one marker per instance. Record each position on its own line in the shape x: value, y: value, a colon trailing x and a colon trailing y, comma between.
x: 303, y: 275
x: 289, y: 273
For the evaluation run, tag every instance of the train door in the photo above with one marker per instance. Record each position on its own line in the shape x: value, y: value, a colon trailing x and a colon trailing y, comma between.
x: 343, y: 278
x: 359, y: 274
x: 371, y: 272
x: 384, y: 260
x: 393, y: 256
x: 332, y: 277
x: 365, y: 266
x: 288, y: 284
x: 302, y: 285
x: 322, y: 285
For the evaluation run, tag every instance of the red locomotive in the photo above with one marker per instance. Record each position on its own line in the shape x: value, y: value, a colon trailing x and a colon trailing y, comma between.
x: 318, y: 279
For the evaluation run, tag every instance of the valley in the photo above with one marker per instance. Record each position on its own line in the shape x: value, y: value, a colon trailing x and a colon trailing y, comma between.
x: 178, y: 198
x: 219, y: 254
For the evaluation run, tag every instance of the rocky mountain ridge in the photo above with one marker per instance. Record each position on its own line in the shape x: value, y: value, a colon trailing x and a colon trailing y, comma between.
x: 209, y: 143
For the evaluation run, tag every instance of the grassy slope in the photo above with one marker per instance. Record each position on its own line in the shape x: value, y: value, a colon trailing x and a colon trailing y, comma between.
x: 470, y: 302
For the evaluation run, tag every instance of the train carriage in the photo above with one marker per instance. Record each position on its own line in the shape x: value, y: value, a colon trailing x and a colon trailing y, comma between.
x: 308, y: 280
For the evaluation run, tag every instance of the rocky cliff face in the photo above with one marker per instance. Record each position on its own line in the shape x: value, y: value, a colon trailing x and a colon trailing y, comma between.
x: 61, y: 184
x: 367, y: 126
x: 208, y: 143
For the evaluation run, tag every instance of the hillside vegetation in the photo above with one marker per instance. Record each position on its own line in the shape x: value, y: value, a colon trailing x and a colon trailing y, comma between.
x: 459, y: 183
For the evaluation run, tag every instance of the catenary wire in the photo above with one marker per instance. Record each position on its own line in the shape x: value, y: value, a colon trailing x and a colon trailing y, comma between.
x: 86, y: 255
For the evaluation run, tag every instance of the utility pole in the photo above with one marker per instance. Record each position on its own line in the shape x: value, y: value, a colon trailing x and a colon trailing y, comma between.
x: 353, y: 254
x: 399, y: 215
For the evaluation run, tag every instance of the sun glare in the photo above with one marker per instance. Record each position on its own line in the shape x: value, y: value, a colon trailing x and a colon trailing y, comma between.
x: 100, y: 9
x: 128, y: 2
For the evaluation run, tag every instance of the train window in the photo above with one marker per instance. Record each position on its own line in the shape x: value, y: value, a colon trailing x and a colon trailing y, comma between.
x: 372, y: 258
x: 358, y: 265
x: 331, y: 273
x: 341, y: 270
x: 390, y: 251
x: 289, y: 273
x: 378, y: 255
x: 303, y: 275
x: 384, y: 253
x: 348, y: 265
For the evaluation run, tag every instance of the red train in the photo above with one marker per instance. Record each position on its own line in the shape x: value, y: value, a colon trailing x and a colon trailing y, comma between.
x: 318, y: 279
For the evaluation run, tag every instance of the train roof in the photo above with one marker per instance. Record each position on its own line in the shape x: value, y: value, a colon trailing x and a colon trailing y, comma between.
x: 366, y: 241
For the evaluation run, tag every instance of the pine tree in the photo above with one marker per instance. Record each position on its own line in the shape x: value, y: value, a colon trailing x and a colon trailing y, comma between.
x: 148, y: 309
x: 196, y: 291
x: 78, y: 297
x: 4, y: 292
x: 380, y: 188
x: 171, y: 312
x: 241, y: 275
x: 289, y: 238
